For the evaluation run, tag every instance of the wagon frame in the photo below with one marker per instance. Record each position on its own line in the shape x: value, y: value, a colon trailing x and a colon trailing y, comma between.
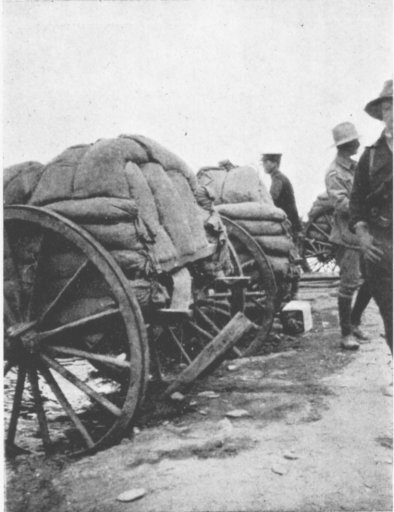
x: 43, y: 346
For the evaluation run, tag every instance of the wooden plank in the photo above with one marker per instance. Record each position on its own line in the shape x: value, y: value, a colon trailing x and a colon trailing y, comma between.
x: 319, y: 276
x: 224, y: 341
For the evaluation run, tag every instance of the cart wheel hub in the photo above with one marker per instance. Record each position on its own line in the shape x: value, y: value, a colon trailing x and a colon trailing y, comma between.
x: 21, y: 336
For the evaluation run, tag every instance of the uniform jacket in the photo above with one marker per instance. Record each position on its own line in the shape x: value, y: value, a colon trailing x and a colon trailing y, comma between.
x: 283, y: 196
x: 339, y: 183
x: 372, y: 196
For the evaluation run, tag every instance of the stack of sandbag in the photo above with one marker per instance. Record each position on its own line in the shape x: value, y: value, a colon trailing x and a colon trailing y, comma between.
x: 236, y: 185
x: 240, y: 195
x: 268, y: 225
x: 135, y: 197
x: 320, y: 206
x: 132, y: 195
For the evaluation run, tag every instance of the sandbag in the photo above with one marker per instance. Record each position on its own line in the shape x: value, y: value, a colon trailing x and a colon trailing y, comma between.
x: 168, y: 160
x: 193, y: 211
x: 320, y: 206
x: 251, y: 211
x: 20, y: 181
x: 96, y: 209
x: 279, y: 265
x: 123, y: 235
x: 63, y: 264
x: 262, y: 227
x: 163, y: 249
x: 81, y: 307
x: 94, y: 288
x: 163, y: 252
x: 57, y: 179
x: 132, y: 262
x: 243, y: 184
x: 109, y: 170
x: 132, y: 151
x: 171, y: 209
x: 276, y: 245
x: 101, y: 172
x: 210, y: 182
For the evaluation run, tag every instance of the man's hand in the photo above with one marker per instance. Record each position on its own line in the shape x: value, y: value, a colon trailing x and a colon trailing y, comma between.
x: 369, y: 248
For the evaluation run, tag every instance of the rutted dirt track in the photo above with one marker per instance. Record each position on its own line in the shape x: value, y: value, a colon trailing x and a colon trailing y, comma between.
x: 318, y: 436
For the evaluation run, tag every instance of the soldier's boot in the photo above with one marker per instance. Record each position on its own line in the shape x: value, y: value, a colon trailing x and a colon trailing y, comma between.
x: 348, y: 341
x: 362, y: 299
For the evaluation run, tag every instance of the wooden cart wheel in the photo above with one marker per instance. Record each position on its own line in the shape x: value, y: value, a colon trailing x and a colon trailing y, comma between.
x: 260, y: 293
x: 318, y: 250
x: 68, y: 310
x: 216, y: 300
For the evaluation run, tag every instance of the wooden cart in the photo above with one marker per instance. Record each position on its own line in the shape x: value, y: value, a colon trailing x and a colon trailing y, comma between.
x: 91, y: 360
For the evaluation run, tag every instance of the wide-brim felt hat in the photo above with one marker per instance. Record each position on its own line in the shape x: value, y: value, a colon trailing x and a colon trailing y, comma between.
x: 343, y: 133
x: 373, y: 107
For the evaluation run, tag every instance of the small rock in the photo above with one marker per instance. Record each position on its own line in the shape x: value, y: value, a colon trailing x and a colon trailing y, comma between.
x: 178, y: 397
x: 166, y: 422
x: 203, y: 412
x: 209, y: 394
x: 237, y: 413
x: 231, y: 367
x: 131, y: 495
x: 136, y: 430
x: 193, y: 402
x: 290, y: 455
x: 279, y: 470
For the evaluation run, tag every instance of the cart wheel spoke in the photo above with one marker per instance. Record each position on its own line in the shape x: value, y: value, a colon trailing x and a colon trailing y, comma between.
x: 9, y: 315
x: 179, y: 344
x: 207, y: 320
x: 66, y: 406
x: 214, y: 306
x: 78, y: 324
x: 63, y: 292
x: 8, y: 365
x: 200, y: 330
x: 94, y: 395
x: 247, y: 264
x: 42, y: 421
x: 19, y: 387
x: 90, y: 356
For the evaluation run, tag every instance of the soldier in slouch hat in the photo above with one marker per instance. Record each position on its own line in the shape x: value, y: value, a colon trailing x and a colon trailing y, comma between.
x: 371, y: 209
x: 339, y: 181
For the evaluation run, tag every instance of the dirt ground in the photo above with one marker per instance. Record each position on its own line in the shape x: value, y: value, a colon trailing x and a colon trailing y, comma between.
x: 317, y: 437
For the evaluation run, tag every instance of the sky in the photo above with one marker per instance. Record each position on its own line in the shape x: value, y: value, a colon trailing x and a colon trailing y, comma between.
x: 207, y: 79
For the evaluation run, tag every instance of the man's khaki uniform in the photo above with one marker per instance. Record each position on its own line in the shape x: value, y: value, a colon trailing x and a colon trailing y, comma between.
x: 339, y: 183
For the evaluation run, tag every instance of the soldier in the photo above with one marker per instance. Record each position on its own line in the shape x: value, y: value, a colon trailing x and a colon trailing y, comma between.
x: 339, y: 182
x: 371, y: 209
x: 282, y: 190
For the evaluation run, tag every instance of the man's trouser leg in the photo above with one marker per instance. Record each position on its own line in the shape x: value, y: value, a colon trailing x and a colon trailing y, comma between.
x: 349, y: 272
x: 380, y: 280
